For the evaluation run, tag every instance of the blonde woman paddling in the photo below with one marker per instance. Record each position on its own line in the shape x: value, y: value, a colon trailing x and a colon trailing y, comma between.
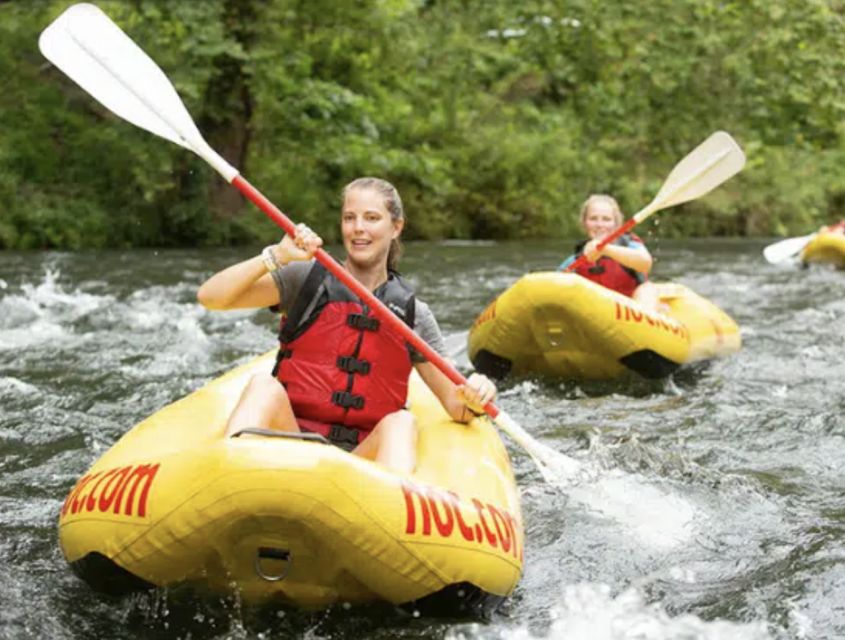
x: 624, y: 264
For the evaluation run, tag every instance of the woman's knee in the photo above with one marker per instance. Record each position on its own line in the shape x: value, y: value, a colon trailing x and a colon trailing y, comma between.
x: 399, y: 425
x: 266, y: 395
x: 263, y: 403
x: 265, y: 386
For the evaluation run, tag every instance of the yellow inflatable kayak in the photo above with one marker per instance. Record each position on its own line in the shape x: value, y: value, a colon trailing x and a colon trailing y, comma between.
x: 825, y: 248
x: 563, y: 325
x: 296, y: 520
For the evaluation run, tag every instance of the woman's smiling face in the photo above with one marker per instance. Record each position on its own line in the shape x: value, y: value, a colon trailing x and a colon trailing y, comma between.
x: 601, y: 218
x: 367, y: 228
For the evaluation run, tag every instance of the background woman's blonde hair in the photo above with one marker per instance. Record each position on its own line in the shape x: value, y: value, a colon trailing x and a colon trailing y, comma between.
x: 393, y: 204
x: 597, y: 198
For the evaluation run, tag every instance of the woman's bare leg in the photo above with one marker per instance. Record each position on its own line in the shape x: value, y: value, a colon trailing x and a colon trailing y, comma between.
x: 264, y: 404
x: 393, y: 442
x: 646, y: 294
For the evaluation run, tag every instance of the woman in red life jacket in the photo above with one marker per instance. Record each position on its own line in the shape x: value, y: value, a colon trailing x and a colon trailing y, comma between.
x: 838, y: 227
x: 339, y: 372
x: 622, y: 265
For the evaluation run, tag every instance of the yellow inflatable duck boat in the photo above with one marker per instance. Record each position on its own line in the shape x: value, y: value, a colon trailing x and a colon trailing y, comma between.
x: 563, y: 325
x: 295, y: 520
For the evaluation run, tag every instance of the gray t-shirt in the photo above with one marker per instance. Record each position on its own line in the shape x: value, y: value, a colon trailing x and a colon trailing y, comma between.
x: 290, y: 278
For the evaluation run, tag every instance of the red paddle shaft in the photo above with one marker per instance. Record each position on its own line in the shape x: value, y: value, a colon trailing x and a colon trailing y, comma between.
x: 625, y: 228
x: 385, y: 315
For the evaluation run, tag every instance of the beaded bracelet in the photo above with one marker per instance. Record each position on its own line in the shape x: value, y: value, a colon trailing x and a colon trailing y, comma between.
x: 269, y: 259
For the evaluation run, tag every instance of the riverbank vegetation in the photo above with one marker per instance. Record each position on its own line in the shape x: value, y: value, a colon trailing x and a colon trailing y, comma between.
x: 494, y: 119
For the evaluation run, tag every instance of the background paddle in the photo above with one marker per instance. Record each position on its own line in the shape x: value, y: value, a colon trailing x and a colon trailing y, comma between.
x: 92, y: 50
x: 703, y: 169
x: 786, y: 250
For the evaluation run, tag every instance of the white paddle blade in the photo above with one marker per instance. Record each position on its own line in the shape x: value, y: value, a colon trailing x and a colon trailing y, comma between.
x: 703, y: 169
x: 786, y: 250
x: 92, y: 50
x: 556, y: 468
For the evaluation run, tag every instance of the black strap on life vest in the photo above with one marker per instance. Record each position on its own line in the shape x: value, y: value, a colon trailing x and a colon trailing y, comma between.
x: 344, y: 437
x: 353, y: 365
x: 308, y: 293
x: 362, y: 322
x: 315, y: 294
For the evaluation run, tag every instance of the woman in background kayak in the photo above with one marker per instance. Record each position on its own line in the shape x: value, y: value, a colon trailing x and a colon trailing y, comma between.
x: 339, y: 372
x: 624, y: 264
x: 838, y: 227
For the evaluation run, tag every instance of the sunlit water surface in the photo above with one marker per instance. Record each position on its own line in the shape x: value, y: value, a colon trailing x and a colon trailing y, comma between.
x: 746, y: 453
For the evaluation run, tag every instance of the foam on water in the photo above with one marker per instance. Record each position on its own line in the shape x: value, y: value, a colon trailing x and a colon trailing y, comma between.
x: 590, y: 611
x: 16, y: 386
x: 660, y: 519
x: 42, y: 313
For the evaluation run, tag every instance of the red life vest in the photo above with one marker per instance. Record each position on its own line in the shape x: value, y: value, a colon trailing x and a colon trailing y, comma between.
x: 342, y: 371
x: 609, y: 273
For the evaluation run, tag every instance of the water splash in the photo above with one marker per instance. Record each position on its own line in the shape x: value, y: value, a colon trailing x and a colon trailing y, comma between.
x: 590, y: 611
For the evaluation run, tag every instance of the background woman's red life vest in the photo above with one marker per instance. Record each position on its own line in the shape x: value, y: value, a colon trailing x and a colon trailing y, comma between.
x: 337, y: 363
x: 609, y: 273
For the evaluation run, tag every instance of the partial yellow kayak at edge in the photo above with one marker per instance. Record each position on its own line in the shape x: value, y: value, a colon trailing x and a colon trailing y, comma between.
x: 827, y: 248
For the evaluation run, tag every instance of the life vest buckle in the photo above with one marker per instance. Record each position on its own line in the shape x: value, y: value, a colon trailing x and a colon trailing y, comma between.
x: 348, y: 400
x: 362, y: 322
x: 344, y: 437
x: 353, y: 365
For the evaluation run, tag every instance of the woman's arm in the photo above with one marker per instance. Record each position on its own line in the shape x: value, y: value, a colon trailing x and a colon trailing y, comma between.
x: 245, y: 285
x: 248, y: 284
x: 461, y: 402
x: 637, y: 258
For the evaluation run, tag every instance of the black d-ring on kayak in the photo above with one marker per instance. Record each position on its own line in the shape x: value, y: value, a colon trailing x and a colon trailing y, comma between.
x: 273, y: 553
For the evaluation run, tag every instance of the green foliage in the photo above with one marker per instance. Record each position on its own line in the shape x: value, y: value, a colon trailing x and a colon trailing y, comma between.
x: 493, y: 119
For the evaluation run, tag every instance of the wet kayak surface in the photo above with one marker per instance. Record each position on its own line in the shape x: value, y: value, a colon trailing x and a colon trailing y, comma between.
x: 717, y: 511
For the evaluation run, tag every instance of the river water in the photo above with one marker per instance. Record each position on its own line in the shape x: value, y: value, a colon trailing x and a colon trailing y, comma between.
x: 719, y: 512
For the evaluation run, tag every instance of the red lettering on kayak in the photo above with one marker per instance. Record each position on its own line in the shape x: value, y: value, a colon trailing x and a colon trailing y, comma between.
x: 444, y: 528
x: 502, y: 530
x: 489, y: 535
x: 409, y: 491
x: 472, y: 520
x: 626, y: 313
x: 717, y: 329
x: 488, y: 314
x: 143, y: 473
x: 72, y: 501
x: 514, y: 527
x: 465, y: 530
x: 137, y: 479
x: 112, y: 486
x: 91, y: 501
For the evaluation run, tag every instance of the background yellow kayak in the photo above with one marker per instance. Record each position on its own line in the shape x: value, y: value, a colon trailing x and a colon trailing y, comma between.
x: 563, y: 325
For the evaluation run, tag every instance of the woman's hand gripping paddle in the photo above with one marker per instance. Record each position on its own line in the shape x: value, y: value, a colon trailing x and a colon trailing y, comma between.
x: 87, y: 46
x: 702, y: 170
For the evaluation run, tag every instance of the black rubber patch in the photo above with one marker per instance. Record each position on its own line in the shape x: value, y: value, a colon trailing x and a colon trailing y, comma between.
x: 462, y: 600
x: 649, y: 364
x: 103, y: 575
x: 491, y: 365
